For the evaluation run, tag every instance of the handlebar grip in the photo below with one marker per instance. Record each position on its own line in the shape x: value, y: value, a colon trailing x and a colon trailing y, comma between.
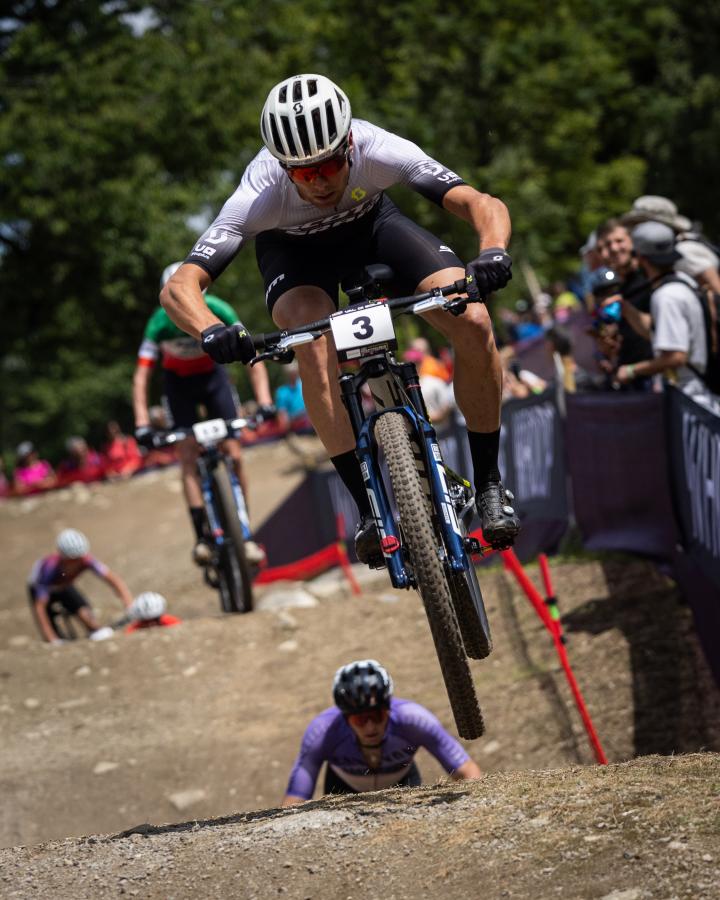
x: 461, y: 285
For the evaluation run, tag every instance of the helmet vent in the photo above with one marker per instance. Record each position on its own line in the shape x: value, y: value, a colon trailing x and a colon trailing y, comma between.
x: 302, y: 131
x: 317, y: 127
x: 282, y: 94
x: 290, y: 143
x: 312, y: 88
x: 277, y: 141
x: 330, y: 114
x: 297, y: 91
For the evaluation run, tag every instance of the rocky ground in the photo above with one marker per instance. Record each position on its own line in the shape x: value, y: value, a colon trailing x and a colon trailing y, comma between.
x: 200, y: 721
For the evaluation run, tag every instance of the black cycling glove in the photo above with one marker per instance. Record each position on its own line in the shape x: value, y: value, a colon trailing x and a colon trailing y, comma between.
x: 144, y: 435
x: 488, y: 272
x: 228, y: 343
x: 267, y: 412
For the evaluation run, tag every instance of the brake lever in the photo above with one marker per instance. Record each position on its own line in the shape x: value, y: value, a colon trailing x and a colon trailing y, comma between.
x: 280, y: 356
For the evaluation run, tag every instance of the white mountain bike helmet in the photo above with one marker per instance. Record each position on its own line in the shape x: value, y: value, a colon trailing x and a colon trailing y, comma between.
x: 362, y: 685
x: 72, y: 544
x: 306, y: 119
x: 168, y: 273
x: 148, y: 605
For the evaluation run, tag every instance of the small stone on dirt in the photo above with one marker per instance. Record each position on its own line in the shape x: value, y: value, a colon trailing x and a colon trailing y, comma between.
x: 104, y: 766
x: 181, y: 800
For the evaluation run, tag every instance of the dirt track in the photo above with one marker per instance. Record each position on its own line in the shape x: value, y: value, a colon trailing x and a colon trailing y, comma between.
x: 204, y: 720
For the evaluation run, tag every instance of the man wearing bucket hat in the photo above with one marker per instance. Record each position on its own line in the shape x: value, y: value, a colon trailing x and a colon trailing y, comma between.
x: 697, y: 258
x: 675, y: 324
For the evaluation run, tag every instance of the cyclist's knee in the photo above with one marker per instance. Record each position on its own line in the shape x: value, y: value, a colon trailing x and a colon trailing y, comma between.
x: 302, y: 304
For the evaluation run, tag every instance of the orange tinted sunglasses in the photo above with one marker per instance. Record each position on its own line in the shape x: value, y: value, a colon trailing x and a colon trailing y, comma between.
x: 308, y: 174
x: 372, y: 715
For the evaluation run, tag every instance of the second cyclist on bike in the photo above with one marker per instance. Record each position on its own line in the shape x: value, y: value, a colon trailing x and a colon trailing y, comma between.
x: 314, y: 202
x: 192, y: 378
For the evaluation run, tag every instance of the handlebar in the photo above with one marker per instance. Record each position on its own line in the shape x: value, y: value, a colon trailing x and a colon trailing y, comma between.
x: 433, y: 299
x: 169, y: 438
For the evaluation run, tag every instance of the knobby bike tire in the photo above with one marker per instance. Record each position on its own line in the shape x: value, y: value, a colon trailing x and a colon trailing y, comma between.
x: 469, y: 608
x: 233, y: 566
x: 415, y: 518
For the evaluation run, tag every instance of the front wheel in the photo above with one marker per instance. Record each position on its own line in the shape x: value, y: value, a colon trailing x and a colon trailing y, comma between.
x: 233, y: 571
x: 419, y: 538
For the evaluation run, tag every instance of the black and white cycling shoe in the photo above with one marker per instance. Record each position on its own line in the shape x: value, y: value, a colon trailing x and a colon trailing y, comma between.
x: 367, y: 543
x: 202, y: 553
x: 500, y: 524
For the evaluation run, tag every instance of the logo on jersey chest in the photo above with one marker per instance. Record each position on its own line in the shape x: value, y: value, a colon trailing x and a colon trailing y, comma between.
x: 341, y: 218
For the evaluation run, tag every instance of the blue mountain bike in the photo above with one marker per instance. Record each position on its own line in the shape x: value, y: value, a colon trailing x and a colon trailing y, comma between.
x: 422, y: 508
x: 227, y: 526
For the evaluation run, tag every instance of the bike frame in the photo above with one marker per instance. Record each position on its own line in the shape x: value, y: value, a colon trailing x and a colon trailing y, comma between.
x: 395, y: 388
x: 207, y: 462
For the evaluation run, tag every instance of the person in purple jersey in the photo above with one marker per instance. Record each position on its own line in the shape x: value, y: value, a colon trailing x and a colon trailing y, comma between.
x: 52, y: 593
x: 369, y: 739
x: 314, y: 202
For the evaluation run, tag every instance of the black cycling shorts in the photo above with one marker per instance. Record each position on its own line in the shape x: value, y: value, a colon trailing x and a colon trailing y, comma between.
x: 334, y: 784
x: 69, y: 598
x: 338, y: 255
x: 185, y: 393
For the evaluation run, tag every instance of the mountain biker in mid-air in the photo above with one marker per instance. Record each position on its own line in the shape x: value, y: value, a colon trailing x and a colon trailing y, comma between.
x: 369, y: 739
x: 191, y: 378
x: 52, y: 592
x: 314, y: 202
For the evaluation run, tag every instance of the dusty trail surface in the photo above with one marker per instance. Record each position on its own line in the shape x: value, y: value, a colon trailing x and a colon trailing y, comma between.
x: 204, y: 720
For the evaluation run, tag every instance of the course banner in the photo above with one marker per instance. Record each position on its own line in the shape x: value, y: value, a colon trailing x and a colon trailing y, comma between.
x: 694, y: 447
x: 619, y: 471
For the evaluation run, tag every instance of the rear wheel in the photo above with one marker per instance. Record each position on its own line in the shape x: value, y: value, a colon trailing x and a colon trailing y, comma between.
x: 419, y: 538
x: 233, y: 570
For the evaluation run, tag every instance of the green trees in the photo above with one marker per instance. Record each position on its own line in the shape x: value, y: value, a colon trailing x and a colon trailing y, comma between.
x: 125, y: 125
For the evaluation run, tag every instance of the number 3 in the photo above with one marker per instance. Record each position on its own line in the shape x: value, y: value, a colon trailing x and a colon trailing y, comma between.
x: 365, y: 331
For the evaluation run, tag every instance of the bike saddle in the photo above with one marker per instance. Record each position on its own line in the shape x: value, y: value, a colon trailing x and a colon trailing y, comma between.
x: 367, y: 285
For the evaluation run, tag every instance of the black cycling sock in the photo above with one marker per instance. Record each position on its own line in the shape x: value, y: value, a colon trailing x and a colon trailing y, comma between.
x: 348, y: 468
x: 197, y: 514
x: 484, y: 449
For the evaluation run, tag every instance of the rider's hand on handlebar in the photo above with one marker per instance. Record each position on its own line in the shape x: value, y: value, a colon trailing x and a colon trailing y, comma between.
x: 228, y: 343
x: 488, y: 272
x: 267, y: 412
x: 144, y: 436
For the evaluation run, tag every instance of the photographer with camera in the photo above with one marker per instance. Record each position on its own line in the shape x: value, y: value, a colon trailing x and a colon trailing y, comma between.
x: 619, y: 343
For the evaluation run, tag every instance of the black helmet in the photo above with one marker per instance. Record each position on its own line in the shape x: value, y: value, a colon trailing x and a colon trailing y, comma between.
x: 362, y: 685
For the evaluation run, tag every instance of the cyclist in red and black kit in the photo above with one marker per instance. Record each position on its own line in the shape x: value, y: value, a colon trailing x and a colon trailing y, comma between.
x: 314, y: 202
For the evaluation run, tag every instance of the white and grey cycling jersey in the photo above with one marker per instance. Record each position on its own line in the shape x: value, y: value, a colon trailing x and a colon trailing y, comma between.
x: 267, y: 199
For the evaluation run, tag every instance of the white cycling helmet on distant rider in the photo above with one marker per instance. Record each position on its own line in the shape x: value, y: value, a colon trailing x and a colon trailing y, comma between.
x: 306, y: 119
x: 361, y: 686
x: 72, y: 544
x: 148, y: 605
x: 168, y: 273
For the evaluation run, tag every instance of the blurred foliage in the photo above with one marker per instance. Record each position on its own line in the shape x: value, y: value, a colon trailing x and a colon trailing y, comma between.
x: 125, y: 125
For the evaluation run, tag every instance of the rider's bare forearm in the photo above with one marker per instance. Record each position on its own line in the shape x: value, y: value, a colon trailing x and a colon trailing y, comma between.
x: 487, y: 215
x: 183, y: 301
x: 260, y: 383
x: 141, y: 380
x: 468, y: 771
x: 120, y: 588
